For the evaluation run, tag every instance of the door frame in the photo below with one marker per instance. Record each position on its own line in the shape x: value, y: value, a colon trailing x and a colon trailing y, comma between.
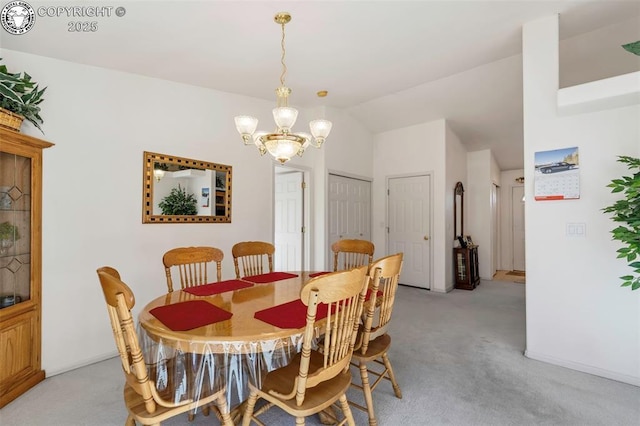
x: 431, y: 228
x: 307, y: 210
x: 511, y: 226
x: 496, y: 220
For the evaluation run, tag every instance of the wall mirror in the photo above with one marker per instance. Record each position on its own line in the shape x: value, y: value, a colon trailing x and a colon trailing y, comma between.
x: 182, y: 190
x: 458, y: 211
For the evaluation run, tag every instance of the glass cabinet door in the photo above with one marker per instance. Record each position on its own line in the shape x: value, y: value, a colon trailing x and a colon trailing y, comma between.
x: 15, y: 229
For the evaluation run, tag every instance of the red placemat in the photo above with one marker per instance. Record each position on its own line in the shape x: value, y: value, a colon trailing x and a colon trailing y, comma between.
x: 289, y: 315
x: 317, y: 274
x: 216, y: 288
x: 270, y: 277
x: 294, y: 314
x: 191, y: 314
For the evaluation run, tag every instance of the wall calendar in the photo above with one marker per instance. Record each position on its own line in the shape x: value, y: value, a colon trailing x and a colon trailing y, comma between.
x: 557, y: 175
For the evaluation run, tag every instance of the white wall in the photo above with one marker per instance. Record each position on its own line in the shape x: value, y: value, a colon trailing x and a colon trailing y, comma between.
x: 577, y: 53
x: 578, y: 316
x: 482, y: 173
x: 507, y: 179
x: 350, y: 147
x: 456, y: 171
x: 101, y: 122
x: 414, y: 150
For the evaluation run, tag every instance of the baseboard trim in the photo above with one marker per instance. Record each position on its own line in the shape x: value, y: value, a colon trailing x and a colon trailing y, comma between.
x: 635, y: 381
x: 83, y: 363
x: 414, y: 286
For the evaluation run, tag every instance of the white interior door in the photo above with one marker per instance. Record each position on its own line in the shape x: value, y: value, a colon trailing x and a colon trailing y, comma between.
x: 349, y: 211
x: 288, y: 218
x: 409, y: 222
x: 517, y: 210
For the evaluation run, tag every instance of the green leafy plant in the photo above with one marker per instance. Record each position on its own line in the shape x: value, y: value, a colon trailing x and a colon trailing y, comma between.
x: 627, y: 212
x: 20, y: 95
x: 179, y: 202
x: 9, y: 231
x: 160, y: 166
x: 632, y: 47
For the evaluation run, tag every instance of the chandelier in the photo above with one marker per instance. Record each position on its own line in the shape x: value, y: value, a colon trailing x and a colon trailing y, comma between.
x: 282, y: 143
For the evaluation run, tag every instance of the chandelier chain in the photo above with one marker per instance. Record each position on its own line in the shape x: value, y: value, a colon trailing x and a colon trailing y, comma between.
x: 284, y: 66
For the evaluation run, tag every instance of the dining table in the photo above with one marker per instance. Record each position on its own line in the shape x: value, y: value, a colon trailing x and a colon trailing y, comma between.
x: 199, y: 339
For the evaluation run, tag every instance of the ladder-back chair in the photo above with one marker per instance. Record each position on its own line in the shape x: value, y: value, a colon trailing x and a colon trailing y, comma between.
x: 373, y: 340
x: 349, y: 254
x: 250, y: 257
x: 316, y: 379
x: 141, y: 398
x: 193, y: 264
x: 109, y: 270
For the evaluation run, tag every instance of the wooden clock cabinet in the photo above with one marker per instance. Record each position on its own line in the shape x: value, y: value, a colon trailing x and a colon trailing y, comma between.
x: 466, y: 267
x: 20, y: 263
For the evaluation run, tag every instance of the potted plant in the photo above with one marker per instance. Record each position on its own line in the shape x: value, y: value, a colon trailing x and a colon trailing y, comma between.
x: 8, y: 234
x: 627, y: 212
x: 178, y: 202
x: 20, y: 99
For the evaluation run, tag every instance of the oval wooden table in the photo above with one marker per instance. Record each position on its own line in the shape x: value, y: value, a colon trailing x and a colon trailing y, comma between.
x: 190, y: 363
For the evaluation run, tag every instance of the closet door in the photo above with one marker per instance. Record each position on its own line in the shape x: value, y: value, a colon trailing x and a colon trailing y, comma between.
x: 349, y: 211
x: 409, y: 227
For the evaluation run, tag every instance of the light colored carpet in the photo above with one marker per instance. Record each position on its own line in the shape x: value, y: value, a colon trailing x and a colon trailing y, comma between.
x: 457, y: 356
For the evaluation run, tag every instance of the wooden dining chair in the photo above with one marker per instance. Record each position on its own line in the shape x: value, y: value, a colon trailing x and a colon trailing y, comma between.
x: 192, y: 264
x: 141, y: 398
x: 251, y: 255
x: 109, y: 270
x: 316, y: 379
x: 373, y: 340
x: 348, y: 254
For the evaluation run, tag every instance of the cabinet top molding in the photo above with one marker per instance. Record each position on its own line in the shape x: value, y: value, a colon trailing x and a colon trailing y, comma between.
x: 7, y: 135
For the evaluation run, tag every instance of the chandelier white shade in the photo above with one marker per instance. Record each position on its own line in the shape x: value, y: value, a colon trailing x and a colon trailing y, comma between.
x: 282, y: 143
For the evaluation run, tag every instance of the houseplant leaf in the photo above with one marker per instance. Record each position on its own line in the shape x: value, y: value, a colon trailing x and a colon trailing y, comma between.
x: 626, y: 211
x: 632, y: 47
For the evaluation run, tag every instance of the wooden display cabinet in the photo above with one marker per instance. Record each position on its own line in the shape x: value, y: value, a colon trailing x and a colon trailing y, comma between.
x: 20, y: 263
x: 466, y: 274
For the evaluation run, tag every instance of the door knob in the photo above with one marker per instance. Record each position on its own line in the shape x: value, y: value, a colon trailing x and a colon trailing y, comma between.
x: 426, y: 238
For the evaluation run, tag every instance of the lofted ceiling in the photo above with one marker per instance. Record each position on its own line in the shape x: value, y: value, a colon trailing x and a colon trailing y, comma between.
x: 390, y: 64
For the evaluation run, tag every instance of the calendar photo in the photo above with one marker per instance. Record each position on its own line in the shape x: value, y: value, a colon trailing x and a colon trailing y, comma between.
x: 557, y: 174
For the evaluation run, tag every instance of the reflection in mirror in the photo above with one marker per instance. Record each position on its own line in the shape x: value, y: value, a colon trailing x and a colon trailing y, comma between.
x: 182, y: 190
x: 458, y: 211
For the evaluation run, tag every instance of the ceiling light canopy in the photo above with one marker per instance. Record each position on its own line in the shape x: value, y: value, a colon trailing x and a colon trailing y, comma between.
x: 282, y: 144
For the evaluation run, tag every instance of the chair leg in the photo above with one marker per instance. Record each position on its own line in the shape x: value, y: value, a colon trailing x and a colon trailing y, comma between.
x: 248, y: 412
x: 300, y: 421
x: 130, y: 421
x: 392, y: 377
x: 346, y: 410
x: 368, y: 398
x: 221, y: 402
x: 328, y: 416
